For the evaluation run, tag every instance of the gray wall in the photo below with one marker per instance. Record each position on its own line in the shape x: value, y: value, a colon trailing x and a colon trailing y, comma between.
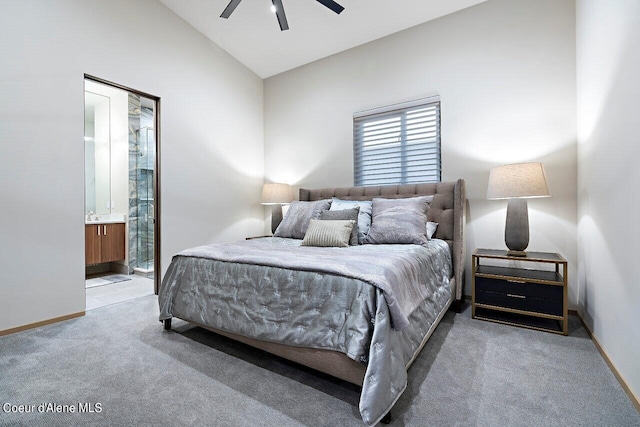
x: 608, y: 65
x: 211, y: 111
x: 505, y: 72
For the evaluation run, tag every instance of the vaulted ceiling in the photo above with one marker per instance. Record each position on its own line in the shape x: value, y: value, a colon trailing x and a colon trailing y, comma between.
x: 252, y: 34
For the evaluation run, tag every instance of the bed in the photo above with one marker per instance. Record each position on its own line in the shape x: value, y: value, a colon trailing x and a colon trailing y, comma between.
x: 348, y: 312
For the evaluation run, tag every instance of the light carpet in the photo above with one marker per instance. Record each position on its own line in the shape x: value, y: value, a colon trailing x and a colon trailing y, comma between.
x: 471, y: 373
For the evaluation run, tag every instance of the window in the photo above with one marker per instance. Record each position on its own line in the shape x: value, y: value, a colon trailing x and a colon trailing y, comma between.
x: 399, y: 144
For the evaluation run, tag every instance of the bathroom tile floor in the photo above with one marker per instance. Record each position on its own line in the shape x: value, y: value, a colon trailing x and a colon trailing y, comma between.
x: 138, y: 286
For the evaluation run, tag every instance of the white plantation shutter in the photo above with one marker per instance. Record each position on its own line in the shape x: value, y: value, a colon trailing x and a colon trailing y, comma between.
x: 399, y: 144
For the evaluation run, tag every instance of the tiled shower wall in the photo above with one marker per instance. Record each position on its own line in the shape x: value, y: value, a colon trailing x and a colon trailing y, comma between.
x: 141, y: 166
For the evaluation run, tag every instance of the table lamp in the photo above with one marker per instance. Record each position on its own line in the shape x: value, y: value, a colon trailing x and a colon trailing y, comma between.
x: 276, y: 195
x: 517, y: 182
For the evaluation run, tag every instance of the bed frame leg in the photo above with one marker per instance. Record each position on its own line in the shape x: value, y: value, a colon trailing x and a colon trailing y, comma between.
x: 386, y: 419
x: 167, y: 324
x: 460, y: 305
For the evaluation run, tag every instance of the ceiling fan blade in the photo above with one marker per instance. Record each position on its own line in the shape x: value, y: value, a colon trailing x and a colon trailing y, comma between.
x: 282, y: 17
x: 226, y: 13
x: 332, y: 5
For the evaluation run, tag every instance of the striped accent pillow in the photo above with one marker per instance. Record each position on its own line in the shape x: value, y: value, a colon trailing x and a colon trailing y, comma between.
x: 329, y: 233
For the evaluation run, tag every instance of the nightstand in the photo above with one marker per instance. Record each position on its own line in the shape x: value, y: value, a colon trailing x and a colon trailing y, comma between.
x: 528, y: 296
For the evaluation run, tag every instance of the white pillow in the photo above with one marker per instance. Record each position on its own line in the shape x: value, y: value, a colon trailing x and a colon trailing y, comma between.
x: 431, y: 229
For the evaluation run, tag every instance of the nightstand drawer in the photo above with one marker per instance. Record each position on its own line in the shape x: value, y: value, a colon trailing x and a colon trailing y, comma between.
x: 548, y: 292
x: 519, y: 302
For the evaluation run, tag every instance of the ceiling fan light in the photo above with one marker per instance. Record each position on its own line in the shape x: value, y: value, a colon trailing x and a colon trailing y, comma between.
x: 278, y: 9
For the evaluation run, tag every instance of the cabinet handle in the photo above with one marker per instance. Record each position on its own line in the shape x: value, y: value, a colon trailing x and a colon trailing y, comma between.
x: 98, y: 230
x: 516, y: 296
x: 515, y: 281
x: 105, y: 230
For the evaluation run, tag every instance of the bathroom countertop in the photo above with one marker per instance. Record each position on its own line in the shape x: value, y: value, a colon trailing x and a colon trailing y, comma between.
x: 105, y: 221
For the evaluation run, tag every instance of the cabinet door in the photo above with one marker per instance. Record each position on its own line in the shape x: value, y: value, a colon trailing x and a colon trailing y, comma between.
x: 112, y: 242
x: 92, y: 245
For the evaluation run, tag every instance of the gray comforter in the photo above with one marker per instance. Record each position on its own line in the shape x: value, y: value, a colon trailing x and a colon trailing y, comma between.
x: 374, y: 303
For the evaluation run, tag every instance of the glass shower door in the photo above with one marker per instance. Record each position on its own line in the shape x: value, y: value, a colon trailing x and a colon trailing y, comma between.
x: 142, y: 159
x: 145, y: 200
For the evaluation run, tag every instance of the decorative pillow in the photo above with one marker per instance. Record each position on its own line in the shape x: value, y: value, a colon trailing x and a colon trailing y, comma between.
x: 364, y: 217
x: 295, y: 222
x: 399, y: 220
x: 328, y: 233
x: 431, y: 229
x: 345, y: 214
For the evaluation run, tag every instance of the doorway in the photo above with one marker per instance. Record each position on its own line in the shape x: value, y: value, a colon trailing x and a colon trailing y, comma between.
x: 122, y: 192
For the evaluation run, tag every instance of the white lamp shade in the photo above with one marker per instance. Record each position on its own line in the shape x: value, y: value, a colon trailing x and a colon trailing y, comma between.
x: 276, y: 194
x: 519, y: 180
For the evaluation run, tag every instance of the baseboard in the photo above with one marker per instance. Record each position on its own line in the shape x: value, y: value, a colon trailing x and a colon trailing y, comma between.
x: 41, y: 323
x: 634, y: 399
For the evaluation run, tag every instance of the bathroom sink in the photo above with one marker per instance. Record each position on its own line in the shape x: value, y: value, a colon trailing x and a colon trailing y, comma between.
x: 106, y: 219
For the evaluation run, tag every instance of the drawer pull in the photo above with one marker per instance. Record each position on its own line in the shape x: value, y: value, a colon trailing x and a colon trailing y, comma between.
x: 98, y: 230
x: 105, y: 230
x: 516, y: 296
x: 515, y: 281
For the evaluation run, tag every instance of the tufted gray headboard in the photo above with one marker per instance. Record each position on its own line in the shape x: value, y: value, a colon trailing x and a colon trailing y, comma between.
x: 447, y: 209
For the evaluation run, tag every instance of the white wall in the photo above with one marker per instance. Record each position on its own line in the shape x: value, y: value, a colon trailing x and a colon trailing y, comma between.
x: 608, y: 66
x: 212, y: 139
x: 505, y: 72
x: 119, y: 106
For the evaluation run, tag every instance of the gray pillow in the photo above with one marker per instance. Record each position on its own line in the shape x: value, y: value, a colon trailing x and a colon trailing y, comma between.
x: 364, y: 217
x: 345, y: 214
x: 295, y: 222
x: 399, y: 220
x: 328, y: 233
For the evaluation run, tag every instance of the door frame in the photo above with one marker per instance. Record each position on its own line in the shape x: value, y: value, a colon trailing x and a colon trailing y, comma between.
x: 156, y: 175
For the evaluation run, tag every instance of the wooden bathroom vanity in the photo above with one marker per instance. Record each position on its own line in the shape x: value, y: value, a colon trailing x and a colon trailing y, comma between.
x: 104, y: 242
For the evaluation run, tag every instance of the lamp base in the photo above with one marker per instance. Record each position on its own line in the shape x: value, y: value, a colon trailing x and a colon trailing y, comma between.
x: 276, y: 217
x: 516, y: 231
x: 517, y: 253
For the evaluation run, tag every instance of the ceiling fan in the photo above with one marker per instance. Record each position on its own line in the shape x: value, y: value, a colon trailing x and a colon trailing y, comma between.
x: 278, y: 9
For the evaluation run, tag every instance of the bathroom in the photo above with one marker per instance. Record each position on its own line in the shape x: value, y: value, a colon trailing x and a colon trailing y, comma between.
x: 120, y: 193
